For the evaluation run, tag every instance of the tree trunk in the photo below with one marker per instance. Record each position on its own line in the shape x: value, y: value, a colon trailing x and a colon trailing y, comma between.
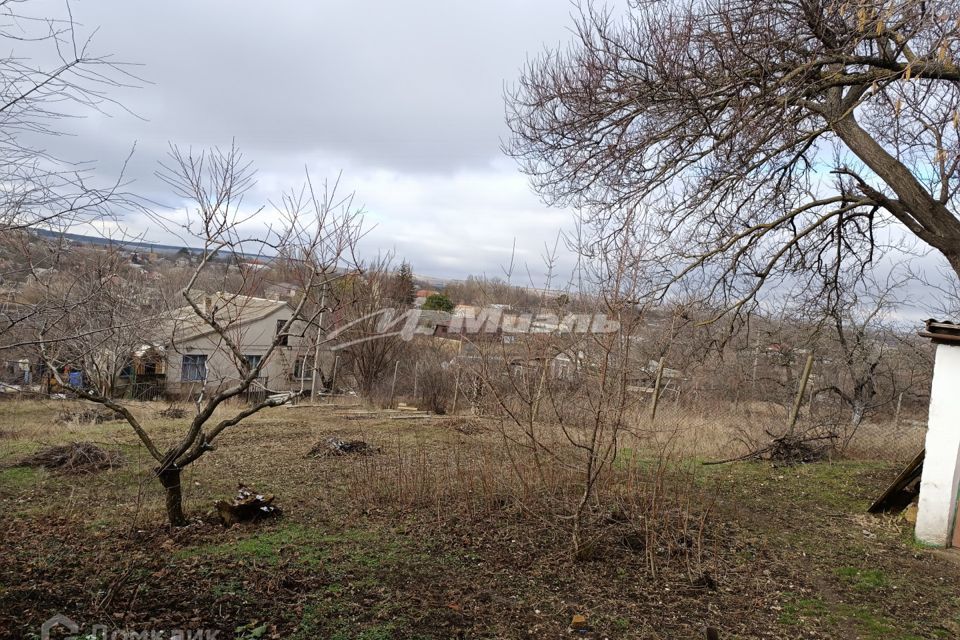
x: 857, y: 415
x: 170, y: 479
x: 858, y: 412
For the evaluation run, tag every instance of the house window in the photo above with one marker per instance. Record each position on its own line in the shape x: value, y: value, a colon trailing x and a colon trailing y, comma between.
x: 253, y: 361
x: 303, y: 368
x: 194, y: 368
x: 285, y: 338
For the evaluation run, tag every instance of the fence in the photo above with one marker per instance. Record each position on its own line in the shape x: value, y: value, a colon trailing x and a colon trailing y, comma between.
x: 257, y: 391
x: 712, y: 415
x: 152, y: 390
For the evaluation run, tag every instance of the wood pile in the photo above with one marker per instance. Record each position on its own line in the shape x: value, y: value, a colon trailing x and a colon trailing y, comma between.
x: 247, y: 506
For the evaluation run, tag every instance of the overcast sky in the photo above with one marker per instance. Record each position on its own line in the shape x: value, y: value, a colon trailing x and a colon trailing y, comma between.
x: 406, y: 98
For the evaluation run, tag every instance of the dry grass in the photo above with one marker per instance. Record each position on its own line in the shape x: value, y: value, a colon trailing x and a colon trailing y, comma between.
x: 450, y: 532
x: 720, y: 431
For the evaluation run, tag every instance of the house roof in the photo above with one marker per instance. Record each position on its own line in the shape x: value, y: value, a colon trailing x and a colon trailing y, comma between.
x: 230, y: 310
x: 942, y: 331
x: 432, y: 317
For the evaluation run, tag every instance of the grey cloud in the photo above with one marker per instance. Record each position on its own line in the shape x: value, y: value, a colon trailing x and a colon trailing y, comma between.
x: 415, y: 86
x: 404, y: 97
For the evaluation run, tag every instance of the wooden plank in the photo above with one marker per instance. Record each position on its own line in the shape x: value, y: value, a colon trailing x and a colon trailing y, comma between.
x: 955, y: 539
x: 902, y: 490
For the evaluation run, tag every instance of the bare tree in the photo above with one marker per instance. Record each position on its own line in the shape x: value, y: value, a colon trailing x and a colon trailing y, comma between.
x: 318, y: 233
x: 756, y: 141
x: 49, y: 72
x: 565, y: 392
x: 371, y: 316
x: 96, y: 313
x: 868, y: 359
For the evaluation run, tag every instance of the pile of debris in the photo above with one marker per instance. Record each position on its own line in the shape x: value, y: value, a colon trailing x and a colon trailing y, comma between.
x: 790, y: 449
x: 90, y: 415
x: 466, y: 426
x: 75, y: 457
x: 334, y: 446
x: 247, y: 506
x: 173, y: 412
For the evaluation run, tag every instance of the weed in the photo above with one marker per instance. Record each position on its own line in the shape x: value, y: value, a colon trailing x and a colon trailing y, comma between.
x: 20, y: 477
x: 863, y: 579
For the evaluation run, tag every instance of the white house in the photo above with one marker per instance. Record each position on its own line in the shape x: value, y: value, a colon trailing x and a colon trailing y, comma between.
x: 197, y: 356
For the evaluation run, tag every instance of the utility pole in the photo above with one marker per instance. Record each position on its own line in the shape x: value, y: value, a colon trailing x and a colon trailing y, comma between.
x: 456, y: 393
x: 393, y: 386
x: 333, y: 376
x: 795, y: 412
x: 656, y: 390
x: 316, y: 348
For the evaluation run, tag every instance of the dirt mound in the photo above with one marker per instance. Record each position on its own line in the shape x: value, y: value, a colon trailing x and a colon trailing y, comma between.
x: 76, y: 457
x: 334, y: 446
x: 90, y: 415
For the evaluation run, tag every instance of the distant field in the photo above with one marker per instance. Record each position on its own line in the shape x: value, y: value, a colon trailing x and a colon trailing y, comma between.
x: 447, y: 533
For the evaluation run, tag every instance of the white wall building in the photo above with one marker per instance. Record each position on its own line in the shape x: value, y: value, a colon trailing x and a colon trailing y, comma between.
x: 198, y: 357
x: 937, y: 512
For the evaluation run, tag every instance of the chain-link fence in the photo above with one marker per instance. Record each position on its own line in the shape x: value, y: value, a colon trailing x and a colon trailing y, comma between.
x: 714, y: 414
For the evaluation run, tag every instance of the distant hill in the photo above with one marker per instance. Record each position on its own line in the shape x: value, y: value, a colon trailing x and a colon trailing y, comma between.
x: 432, y: 281
x: 113, y: 242
x: 132, y: 245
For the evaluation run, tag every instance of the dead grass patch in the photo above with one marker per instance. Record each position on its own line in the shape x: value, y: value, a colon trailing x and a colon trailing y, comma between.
x: 442, y: 535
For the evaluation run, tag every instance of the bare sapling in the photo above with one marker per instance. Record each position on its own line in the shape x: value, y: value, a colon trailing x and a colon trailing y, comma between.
x: 317, y: 233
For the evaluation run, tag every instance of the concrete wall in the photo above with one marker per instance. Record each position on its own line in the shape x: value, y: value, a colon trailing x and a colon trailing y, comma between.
x: 941, y: 466
x: 254, y: 339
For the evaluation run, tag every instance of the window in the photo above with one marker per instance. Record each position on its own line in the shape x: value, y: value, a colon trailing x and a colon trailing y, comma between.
x: 194, y: 368
x: 253, y: 361
x: 283, y: 339
x: 303, y: 368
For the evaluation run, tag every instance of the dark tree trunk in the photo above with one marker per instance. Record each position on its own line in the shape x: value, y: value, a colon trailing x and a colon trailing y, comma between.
x: 170, y: 479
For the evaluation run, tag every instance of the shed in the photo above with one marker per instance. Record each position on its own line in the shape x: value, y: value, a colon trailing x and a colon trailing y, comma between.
x: 937, y: 512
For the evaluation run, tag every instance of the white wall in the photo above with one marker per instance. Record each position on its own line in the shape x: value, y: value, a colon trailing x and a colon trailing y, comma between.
x: 941, y: 466
x: 254, y: 339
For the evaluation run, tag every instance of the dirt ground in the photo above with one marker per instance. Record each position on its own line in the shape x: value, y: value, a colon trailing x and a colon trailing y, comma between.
x: 426, y: 539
